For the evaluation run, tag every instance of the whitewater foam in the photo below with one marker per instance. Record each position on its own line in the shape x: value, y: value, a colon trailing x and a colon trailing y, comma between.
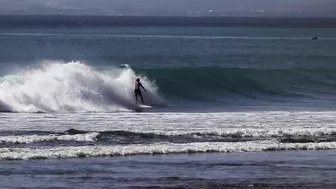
x: 159, y: 148
x: 74, y: 86
x: 89, y: 137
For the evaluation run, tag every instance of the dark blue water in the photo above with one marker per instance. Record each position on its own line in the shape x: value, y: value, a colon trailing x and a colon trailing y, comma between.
x: 262, y: 89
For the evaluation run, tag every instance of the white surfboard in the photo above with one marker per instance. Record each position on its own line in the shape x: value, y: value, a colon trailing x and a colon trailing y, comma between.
x: 145, y: 106
x: 142, y: 107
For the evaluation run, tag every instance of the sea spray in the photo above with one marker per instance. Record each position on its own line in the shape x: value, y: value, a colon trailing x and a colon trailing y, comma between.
x: 73, y: 86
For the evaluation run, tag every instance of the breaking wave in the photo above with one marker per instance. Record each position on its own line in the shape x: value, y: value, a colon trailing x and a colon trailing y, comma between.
x: 74, y: 86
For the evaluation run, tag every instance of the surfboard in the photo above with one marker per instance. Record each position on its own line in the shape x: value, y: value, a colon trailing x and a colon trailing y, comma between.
x: 145, y: 106
x: 142, y: 107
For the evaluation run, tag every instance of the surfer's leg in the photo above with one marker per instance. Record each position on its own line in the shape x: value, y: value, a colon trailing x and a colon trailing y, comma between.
x: 142, y: 99
x: 140, y: 94
x: 136, y: 97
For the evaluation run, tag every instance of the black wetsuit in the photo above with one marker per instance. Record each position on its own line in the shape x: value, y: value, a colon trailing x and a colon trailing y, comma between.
x: 137, y: 91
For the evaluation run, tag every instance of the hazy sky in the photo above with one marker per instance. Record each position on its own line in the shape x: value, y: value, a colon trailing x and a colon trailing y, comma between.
x: 172, y: 7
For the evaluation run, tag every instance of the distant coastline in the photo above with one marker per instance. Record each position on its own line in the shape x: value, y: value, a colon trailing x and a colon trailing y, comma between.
x: 162, y: 21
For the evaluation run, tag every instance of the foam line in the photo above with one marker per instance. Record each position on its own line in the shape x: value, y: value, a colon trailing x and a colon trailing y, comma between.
x: 159, y: 148
x: 89, y: 137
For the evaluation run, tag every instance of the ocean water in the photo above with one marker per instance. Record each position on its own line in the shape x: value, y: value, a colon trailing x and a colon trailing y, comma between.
x: 232, y: 107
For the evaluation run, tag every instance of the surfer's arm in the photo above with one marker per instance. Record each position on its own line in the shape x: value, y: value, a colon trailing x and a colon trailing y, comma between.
x: 142, y: 87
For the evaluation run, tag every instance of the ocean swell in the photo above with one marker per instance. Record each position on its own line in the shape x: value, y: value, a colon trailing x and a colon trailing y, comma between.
x: 76, y: 87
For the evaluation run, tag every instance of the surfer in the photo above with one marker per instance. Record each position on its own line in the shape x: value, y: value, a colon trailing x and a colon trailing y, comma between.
x: 137, y: 90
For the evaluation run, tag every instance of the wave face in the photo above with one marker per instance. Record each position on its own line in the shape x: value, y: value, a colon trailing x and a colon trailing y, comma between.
x: 62, y: 87
x: 228, y: 84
